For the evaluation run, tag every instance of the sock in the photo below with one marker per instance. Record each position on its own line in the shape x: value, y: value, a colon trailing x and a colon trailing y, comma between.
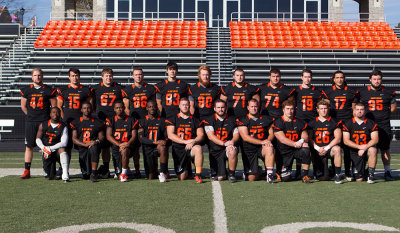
x: 270, y: 170
x: 65, y: 166
x: 198, y: 169
x: 94, y: 172
x: 305, y: 172
x: 387, y: 168
x: 28, y: 166
x: 371, y: 170
x: 137, y: 167
x: 106, y: 165
x: 231, y: 173
x: 338, y: 170
x: 124, y: 170
x: 164, y: 168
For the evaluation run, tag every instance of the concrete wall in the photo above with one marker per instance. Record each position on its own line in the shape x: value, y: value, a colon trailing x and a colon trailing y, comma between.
x: 335, y: 10
x: 99, y: 9
x: 57, y: 9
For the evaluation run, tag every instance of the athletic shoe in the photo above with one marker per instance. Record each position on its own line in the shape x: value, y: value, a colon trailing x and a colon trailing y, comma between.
x: 371, y: 179
x: 137, y: 175
x: 162, y: 177
x: 278, y: 177
x: 93, y: 178
x: 306, y: 180
x: 123, y: 178
x: 349, y: 178
x: 232, y: 178
x: 388, y: 176
x: 198, y: 179
x: 59, y: 172
x: 337, y: 179
x: 26, y: 174
x: 85, y: 176
x: 270, y: 178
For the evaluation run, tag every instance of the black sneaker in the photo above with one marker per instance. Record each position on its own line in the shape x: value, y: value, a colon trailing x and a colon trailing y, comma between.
x: 93, y: 178
x: 337, y: 179
x: 85, y: 176
x: 137, y: 175
x: 388, y: 176
x: 270, y: 178
x: 232, y: 178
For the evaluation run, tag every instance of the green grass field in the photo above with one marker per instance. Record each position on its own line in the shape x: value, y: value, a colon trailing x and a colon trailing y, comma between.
x: 37, y: 205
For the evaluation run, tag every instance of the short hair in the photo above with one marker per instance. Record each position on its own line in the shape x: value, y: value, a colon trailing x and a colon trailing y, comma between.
x: 86, y: 102
x: 288, y: 103
x: 204, y: 67
x: 172, y: 65
x: 137, y: 68
x: 184, y: 99
x: 118, y: 102
x: 306, y: 71
x: 238, y: 69
x: 323, y: 102
x: 75, y: 71
x: 275, y: 71
x: 359, y: 104
x: 37, y: 69
x: 253, y: 100
x: 219, y: 101
x: 107, y: 71
x: 376, y: 72
x: 151, y: 101
x: 338, y: 72
x: 58, y: 109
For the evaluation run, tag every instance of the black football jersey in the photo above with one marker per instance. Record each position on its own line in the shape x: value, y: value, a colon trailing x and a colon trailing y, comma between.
x: 272, y: 99
x: 307, y: 99
x: 323, y: 132
x: 360, y: 133
x: 341, y: 101
x: 204, y: 98
x: 87, y: 130
x: 138, y: 97
x: 73, y: 99
x: 105, y: 98
x: 291, y: 129
x: 223, y: 129
x: 186, y: 129
x: 52, y: 136
x: 256, y: 127
x: 38, y: 101
x: 170, y: 93
x: 377, y: 103
x: 153, y: 129
x: 122, y: 128
x: 237, y: 98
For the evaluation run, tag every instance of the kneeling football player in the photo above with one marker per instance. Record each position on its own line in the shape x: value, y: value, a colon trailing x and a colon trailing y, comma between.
x: 292, y: 142
x: 361, y: 135
x: 186, y: 134
x: 152, y: 135
x: 257, y: 134
x: 52, y: 139
x: 121, y: 133
x: 223, y: 134
x: 87, y: 134
x: 325, y: 134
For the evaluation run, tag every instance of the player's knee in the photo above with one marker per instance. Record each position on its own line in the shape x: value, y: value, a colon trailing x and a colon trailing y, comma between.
x: 372, y: 151
x: 197, y: 149
x: 336, y: 150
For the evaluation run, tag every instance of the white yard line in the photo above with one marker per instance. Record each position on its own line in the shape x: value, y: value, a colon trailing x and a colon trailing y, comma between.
x: 220, y: 222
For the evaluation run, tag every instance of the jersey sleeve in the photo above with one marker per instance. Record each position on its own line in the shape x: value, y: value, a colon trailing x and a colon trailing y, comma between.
x: 135, y: 125
x: 125, y: 93
x: 241, y: 122
x: 346, y: 126
x: 24, y: 92
x: 73, y: 124
x: 277, y: 125
x: 108, y: 123
x: 170, y: 122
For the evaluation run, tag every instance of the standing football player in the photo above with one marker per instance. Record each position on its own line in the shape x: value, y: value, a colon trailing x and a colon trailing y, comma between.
x: 381, y: 104
x: 36, y: 100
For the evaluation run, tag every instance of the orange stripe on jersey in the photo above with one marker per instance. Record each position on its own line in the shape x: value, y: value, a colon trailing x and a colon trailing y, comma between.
x: 375, y: 127
x: 60, y: 97
x: 135, y: 124
x: 273, y: 126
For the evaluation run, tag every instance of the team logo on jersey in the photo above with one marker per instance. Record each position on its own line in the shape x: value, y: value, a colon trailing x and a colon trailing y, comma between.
x: 91, y: 125
x: 113, y: 90
x: 79, y: 91
x: 381, y: 94
x: 176, y: 87
x: 125, y: 125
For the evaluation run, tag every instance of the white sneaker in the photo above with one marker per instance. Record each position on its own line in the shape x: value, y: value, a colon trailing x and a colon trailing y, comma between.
x: 371, y: 180
x: 349, y: 178
x: 162, y: 178
x: 65, y: 177
x: 123, y: 178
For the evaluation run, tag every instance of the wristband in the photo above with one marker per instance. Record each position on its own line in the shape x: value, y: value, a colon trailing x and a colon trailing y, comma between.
x: 327, y: 148
x: 97, y: 141
x: 317, y: 147
x: 301, y: 140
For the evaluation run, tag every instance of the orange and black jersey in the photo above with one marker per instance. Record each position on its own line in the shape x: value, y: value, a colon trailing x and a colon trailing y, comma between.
x: 272, y: 99
x: 153, y: 130
x: 341, y: 101
x: 307, y: 99
x: 170, y: 93
x: 38, y: 101
x: 73, y: 99
x: 52, y: 136
x: 377, y: 103
x: 323, y: 132
x: 105, y: 98
x: 204, y: 98
x: 138, y: 97
x: 291, y: 129
x: 186, y: 129
x: 257, y: 128
x: 87, y: 130
x: 122, y: 128
x: 223, y: 129
x: 237, y: 98
x: 360, y: 134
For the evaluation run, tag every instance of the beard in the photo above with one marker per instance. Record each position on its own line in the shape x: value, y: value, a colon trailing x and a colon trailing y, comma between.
x: 376, y: 87
x: 204, y: 83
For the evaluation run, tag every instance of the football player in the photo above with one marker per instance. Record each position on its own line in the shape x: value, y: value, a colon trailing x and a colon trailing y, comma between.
x: 52, y: 138
x: 223, y: 135
x: 325, y: 135
x: 292, y: 141
x: 87, y: 135
x: 152, y: 135
x: 106, y: 93
x: 121, y: 133
x: 381, y: 104
x: 257, y: 134
x: 186, y: 134
x: 342, y: 100
x: 36, y: 100
x: 361, y: 135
